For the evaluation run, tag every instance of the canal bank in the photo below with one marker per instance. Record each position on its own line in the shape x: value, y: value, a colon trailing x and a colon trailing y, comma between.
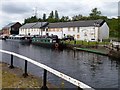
x: 101, y: 50
x: 12, y: 78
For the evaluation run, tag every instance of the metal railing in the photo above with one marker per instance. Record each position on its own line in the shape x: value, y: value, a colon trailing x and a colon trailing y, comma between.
x: 75, y: 82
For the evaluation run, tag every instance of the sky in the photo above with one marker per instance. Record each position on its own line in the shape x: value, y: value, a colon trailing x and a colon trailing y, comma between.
x: 18, y: 10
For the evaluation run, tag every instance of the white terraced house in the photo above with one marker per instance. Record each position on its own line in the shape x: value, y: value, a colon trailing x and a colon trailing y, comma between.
x: 36, y: 28
x: 89, y: 30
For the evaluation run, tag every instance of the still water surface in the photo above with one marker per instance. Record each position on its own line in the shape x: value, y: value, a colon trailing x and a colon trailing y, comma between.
x: 95, y: 70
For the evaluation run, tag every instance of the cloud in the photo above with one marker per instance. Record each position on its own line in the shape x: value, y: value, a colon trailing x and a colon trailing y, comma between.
x: 13, y: 10
x: 119, y: 8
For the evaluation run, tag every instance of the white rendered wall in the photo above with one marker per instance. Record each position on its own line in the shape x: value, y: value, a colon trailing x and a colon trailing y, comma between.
x: 104, y: 31
x: 31, y: 31
x: 72, y: 32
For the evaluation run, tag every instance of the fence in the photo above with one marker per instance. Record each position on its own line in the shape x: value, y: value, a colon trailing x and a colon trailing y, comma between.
x: 75, y: 82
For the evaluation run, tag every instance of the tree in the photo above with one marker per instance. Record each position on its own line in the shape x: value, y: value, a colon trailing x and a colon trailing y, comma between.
x: 51, y: 15
x: 77, y: 17
x: 31, y: 19
x: 56, y: 15
x: 95, y: 14
x: 64, y: 19
x: 44, y: 17
x: 118, y: 28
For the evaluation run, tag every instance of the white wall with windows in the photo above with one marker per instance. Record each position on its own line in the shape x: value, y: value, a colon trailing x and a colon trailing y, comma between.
x: 90, y: 33
x: 55, y: 31
x: 73, y: 31
x: 31, y: 31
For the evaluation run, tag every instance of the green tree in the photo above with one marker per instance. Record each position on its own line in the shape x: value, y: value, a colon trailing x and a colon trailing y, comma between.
x: 113, y: 25
x: 51, y: 15
x: 44, y: 17
x: 31, y: 19
x: 95, y: 14
x: 119, y: 28
x: 64, y: 19
x: 56, y: 15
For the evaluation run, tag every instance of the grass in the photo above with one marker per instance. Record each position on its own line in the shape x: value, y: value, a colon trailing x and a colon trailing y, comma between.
x: 79, y: 42
x: 12, y: 78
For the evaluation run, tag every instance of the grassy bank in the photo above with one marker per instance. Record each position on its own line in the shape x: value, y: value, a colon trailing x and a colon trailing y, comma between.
x: 85, y: 43
x: 12, y: 78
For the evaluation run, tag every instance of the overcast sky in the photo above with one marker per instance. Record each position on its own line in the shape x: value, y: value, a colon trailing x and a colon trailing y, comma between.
x: 17, y: 11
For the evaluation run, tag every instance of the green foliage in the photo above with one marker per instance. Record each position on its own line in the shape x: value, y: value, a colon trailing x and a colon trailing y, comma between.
x: 114, y: 24
x: 64, y: 19
x: 80, y: 42
x: 44, y: 17
x: 56, y: 15
x: 51, y: 15
x: 31, y: 19
x: 95, y: 13
x: 119, y: 28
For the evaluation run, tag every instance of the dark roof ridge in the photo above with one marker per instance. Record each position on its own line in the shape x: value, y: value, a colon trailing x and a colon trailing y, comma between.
x: 80, y: 21
x: 9, y: 25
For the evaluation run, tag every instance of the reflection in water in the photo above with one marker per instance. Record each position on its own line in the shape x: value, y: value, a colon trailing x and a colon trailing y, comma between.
x: 95, y: 70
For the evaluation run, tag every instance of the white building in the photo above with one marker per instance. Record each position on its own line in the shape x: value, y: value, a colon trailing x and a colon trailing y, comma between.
x: 89, y: 30
x: 37, y: 28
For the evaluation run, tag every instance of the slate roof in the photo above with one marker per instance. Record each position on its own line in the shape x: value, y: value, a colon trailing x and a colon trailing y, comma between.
x: 9, y: 25
x: 34, y: 25
x: 85, y: 23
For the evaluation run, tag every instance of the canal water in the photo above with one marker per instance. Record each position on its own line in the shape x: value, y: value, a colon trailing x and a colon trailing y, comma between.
x: 94, y: 70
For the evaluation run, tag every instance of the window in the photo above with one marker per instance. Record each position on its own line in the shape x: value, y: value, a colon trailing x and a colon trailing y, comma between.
x: 68, y: 28
x: 53, y: 29
x: 73, y: 28
x: 43, y: 29
x: 49, y: 29
x: 13, y: 29
x: 92, y: 33
x: 78, y: 29
x: 60, y: 29
x: 48, y: 40
x: 78, y: 36
x: 57, y: 29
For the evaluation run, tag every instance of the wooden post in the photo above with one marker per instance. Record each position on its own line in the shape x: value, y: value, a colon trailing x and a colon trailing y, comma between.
x: 44, y: 87
x: 74, y: 42
x: 11, y: 65
x: 117, y: 47
x: 25, y: 73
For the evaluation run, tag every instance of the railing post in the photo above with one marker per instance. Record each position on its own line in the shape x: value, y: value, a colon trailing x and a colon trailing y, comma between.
x: 25, y: 73
x: 80, y: 88
x: 44, y: 87
x: 11, y: 65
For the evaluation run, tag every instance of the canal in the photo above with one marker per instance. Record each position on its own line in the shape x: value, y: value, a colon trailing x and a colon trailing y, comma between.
x: 94, y: 70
